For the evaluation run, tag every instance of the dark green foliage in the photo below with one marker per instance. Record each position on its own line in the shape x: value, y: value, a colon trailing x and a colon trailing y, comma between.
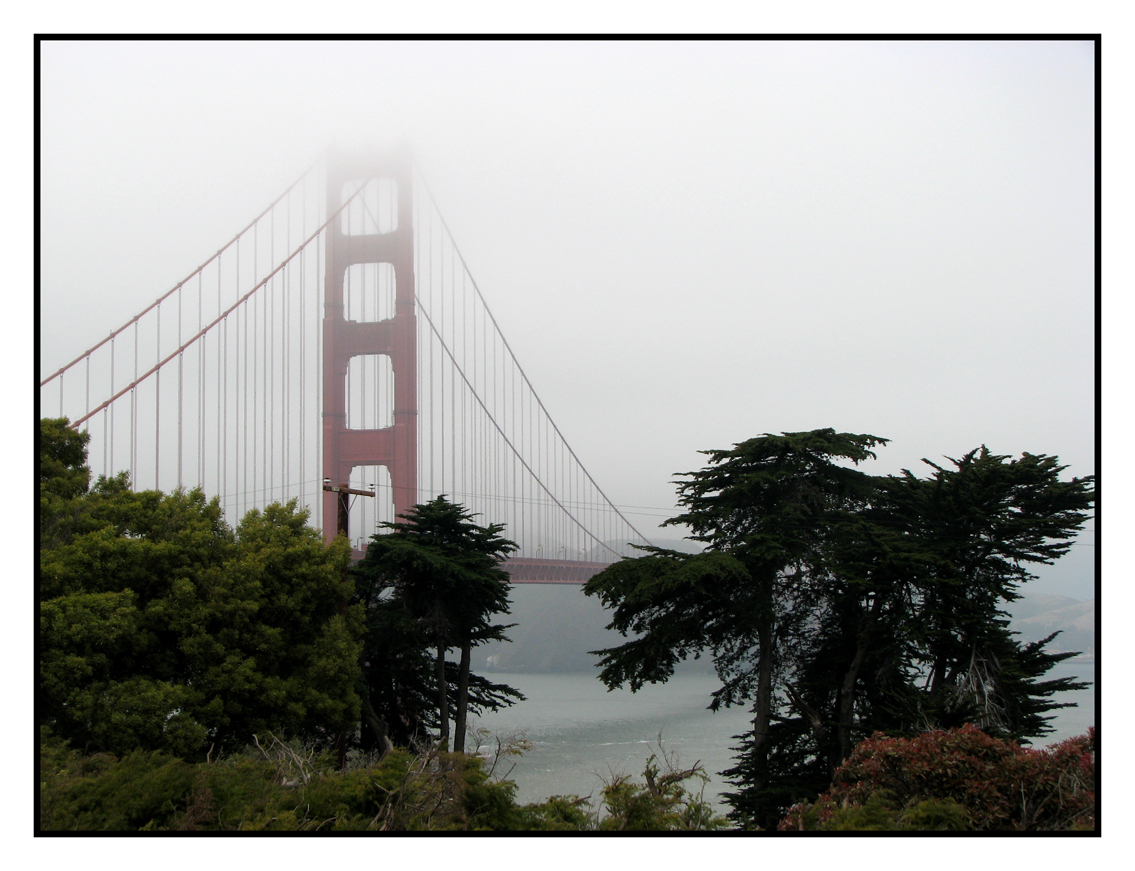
x: 63, y: 476
x: 881, y: 813
x: 163, y: 629
x: 100, y: 792
x: 285, y: 786
x: 398, y: 687
x: 763, y: 510
x: 434, y: 581
x: 676, y: 604
x: 152, y: 791
x: 977, y: 526
x: 62, y: 452
x: 560, y: 813
x: 835, y: 603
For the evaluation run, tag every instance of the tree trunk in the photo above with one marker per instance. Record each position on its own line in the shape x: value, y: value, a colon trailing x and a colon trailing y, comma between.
x: 442, y: 699
x: 847, y: 691
x: 461, y: 714
x: 762, y: 708
x: 847, y: 699
x: 818, y: 730
x: 377, y: 725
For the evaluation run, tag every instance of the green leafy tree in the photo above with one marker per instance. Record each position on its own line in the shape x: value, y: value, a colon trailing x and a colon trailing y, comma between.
x: 836, y: 603
x: 163, y: 629
x: 63, y: 477
x: 435, y: 579
x: 62, y: 451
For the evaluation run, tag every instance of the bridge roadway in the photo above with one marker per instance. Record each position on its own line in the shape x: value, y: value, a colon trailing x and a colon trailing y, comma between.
x: 551, y: 571
x: 541, y: 571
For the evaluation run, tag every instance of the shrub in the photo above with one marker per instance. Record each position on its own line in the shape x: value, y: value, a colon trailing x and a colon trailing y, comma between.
x: 957, y: 778
x: 661, y: 803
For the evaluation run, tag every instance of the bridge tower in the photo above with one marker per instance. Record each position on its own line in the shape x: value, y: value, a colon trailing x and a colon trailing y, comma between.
x: 395, y: 446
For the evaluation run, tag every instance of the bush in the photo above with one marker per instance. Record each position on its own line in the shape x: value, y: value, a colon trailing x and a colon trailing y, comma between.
x: 662, y: 803
x: 284, y: 786
x: 956, y: 779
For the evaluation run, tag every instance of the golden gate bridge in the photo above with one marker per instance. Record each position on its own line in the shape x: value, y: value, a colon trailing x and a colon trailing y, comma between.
x: 339, y: 342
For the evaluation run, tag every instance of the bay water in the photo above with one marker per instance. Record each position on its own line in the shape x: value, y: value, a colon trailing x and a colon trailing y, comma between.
x: 582, y: 736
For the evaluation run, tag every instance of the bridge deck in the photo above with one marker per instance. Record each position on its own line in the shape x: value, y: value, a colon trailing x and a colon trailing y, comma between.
x: 550, y: 571
x: 540, y: 571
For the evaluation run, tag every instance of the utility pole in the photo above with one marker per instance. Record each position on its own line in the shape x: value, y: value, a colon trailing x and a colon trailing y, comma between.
x: 342, y: 525
x: 342, y: 514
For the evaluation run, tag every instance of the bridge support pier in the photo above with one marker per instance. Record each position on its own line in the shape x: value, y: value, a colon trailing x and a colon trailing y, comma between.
x: 395, y: 446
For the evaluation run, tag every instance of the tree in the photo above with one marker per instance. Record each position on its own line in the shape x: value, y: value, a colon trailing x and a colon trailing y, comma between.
x: 434, y: 578
x: 979, y: 524
x: 825, y: 595
x: 762, y: 510
x: 161, y: 628
x: 63, y: 476
x: 63, y: 468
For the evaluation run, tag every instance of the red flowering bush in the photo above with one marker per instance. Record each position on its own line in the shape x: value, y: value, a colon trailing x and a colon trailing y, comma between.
x: 957, y: 779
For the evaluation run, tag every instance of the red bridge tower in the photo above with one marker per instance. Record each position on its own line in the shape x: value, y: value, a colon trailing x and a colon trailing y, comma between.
x: 395, y: 446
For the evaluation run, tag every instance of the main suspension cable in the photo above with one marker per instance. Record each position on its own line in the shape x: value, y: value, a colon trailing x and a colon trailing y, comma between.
x: 138, y: 380
x: 177, y: 286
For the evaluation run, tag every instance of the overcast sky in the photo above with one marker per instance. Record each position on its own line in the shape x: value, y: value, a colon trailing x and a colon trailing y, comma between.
x: 687, y: 244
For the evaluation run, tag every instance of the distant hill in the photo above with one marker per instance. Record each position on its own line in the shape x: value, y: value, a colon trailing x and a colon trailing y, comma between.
x: 682, y: 545
x: 1039, y: 615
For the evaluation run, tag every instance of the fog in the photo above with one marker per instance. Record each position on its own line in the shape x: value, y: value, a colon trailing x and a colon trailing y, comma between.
x: 686, y: 243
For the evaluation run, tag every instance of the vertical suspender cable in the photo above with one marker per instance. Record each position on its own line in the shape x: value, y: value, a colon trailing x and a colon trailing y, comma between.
x: 422, y: 425
x: 430, y: 287
x: 497, y: 471
x: 516, y: 507
x: 349, y: 387
x: 240, y: 491
x: 302, y: 355
x: 319, y: 356
x: 489, y: 460
x: 201, y: 387
x: 270, y: 369
x: 283, y: 364
x: 441, y: 373
x: 134, y: 417
x: 220, y: 454
x: 465, y: 367
x: 257, y: 395
x: 264, y: 491
x: 180, y: 395
x: 454, y: 314
x: 225, y: 420
x: 158, y: 402
x: 109, y: 463
x: 287, y: 421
